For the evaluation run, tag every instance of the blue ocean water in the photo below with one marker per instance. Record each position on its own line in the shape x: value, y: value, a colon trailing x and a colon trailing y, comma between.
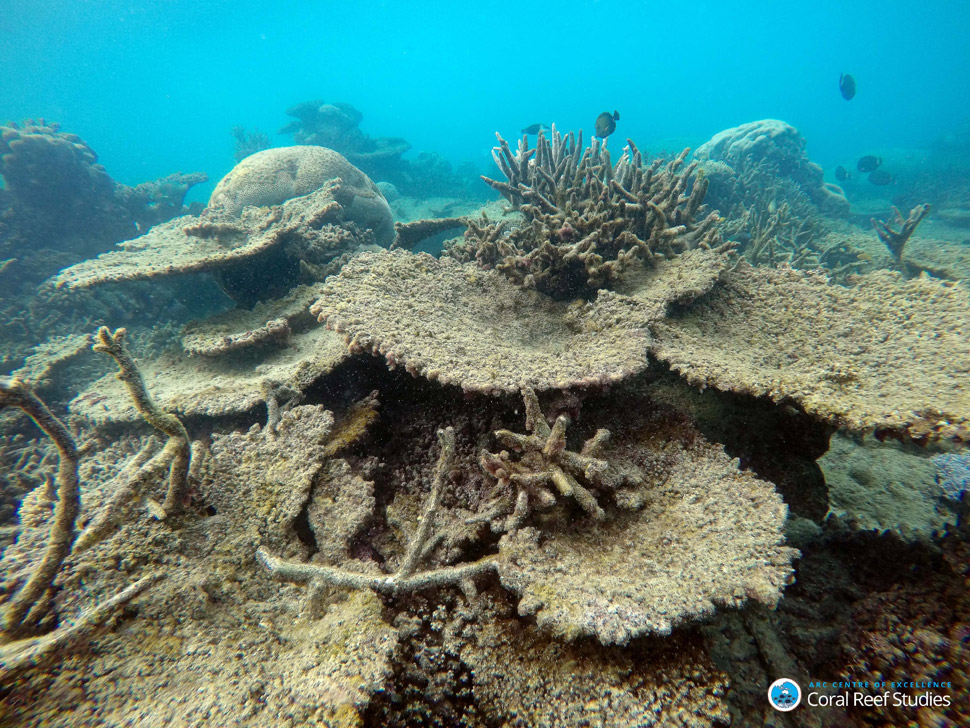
x: 155, y: 86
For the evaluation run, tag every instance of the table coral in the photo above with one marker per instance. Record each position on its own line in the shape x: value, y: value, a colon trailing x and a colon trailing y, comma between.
x: 458, y: 324
x: 886, y: 354
x: 708, y: 535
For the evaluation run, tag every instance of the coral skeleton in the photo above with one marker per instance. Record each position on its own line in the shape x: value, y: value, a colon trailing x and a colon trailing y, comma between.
x: 407, y: 578
x: 28, y: 606
x: 586, y: 219
x: 896, y: 240
x: 177, y: 452
x: 24, y: 613
x: 546, y: 462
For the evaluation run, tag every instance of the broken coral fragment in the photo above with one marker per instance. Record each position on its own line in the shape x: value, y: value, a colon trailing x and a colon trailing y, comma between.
x: 461, y: 325
x: 710, y: 535
x: 545, y: 466
x: 885, y: 354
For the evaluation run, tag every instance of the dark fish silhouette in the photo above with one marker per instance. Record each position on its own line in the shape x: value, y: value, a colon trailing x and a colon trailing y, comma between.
x: 842, y: 174
x: 606, y: 124
x: 881, y: 177
x: 535, y: 128
x: 868, y: 163
x: 846, y: 86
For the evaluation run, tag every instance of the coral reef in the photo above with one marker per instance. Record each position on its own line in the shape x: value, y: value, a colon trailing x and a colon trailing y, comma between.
x: 213, y: 386
x: 55, y: 191
x: 584, y: 528
x: 586, y: 220
x: 262, y: 252
x: 273, y: 176
x: 883, y: 355
x: 773, y: 199
x: 770, y: 147
x: 703, y: 533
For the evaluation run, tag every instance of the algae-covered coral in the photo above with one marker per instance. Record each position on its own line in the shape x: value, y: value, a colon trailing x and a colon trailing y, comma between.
x: 541, y: 520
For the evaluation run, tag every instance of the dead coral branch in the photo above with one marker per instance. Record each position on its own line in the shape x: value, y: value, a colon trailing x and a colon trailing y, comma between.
x: 27, y: 607
x: 587, y: 219
x: 544, y: 462
x: 896, y: 240
x: 407, y: 578
x: 177, y: 450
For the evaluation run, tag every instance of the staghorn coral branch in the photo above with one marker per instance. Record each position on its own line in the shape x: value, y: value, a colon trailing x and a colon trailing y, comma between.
x: 177, y: 448
x: 20, y: 616
x: 896, y: 240
x: 407, y: 578
x: 29, y: 653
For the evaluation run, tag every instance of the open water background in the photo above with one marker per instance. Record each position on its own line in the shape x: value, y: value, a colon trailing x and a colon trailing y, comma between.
x: 154, y: 86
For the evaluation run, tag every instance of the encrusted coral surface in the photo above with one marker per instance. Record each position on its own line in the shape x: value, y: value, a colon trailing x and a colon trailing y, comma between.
x: 885, y: 354
x: 669, y: 682
x: 191, y: 244
x: 218, y: 640
x: 269, y: 323
x: 461, y: 325
x: 273, y: 176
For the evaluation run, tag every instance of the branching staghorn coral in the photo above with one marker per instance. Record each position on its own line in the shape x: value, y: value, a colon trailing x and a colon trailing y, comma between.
x: 22, y: 616
x: 587, y: 219
x: 28, y: 606
x: 407, y: 578
x: 896, y: 240
x: 545, y: 461
x: 177, y: 451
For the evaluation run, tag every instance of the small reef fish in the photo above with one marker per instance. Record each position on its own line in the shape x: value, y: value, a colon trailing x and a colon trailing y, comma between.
x: 535, y: 129
x: 606, y: 123
x: 846, y: 86
x: 881, y: 177
x: 868, y: 163
x: 842, y: 174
